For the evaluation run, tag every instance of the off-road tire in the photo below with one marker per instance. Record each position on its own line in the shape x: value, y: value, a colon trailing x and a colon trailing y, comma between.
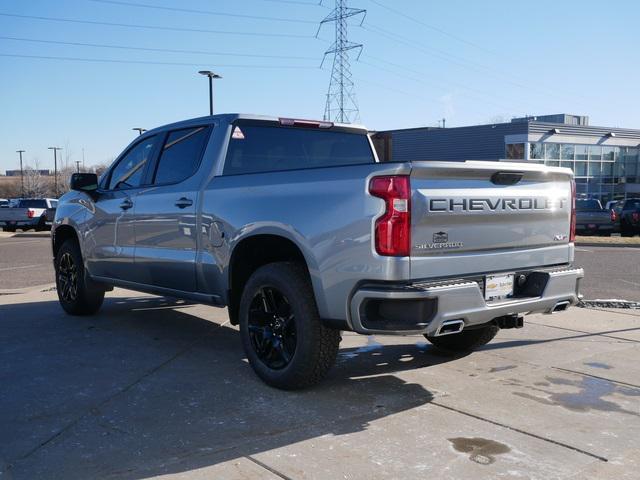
x: 85, y: 297
x: 316, y: 346
x: 465, y: 341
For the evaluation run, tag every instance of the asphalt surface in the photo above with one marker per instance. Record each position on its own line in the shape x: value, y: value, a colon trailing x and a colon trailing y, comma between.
x: 25, y: 260
x: 611, y: 272
x: 157, y: 388
x: 153, y: 388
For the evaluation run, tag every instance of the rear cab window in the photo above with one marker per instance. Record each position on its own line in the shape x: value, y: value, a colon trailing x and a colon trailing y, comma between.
x: 256, y: 147
x: 588, y: 205
x: 32, y: 203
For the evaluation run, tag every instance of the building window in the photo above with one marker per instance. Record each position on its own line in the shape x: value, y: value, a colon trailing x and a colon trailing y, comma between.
x: 594, y: 169
x: 515, y: 151
x: 536, y: 151
x: 610, y: 154
x: 580, y: 169
x: 566, y: 152
x: 581, y: 152
x: 595, y: 153
x: 552, y: 151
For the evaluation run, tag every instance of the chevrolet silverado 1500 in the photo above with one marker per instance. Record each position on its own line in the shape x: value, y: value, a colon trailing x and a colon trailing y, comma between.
x: 299, y: 230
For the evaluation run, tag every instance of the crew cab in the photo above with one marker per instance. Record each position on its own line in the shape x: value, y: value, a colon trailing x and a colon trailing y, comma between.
x: 29, y: 213
x: 299, y: 230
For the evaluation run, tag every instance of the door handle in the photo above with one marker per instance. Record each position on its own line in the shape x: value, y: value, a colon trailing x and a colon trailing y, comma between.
x: 184, y: 202
x: 126, y: 204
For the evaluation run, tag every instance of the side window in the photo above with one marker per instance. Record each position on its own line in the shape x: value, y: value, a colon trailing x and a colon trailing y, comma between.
x: 181, y: 155
x: 128, y: 172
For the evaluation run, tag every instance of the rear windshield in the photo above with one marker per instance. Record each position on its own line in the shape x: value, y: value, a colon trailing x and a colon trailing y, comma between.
x: 633, y: 204
x: 584, y: 205
x: 255, y: 148
x: 33, y: 203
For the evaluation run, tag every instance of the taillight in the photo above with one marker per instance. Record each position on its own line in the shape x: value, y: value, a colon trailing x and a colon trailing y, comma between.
x: 614, y: 216
x: 31, y: 213
x: 635, y: 217
x: 393, y: 228
x: 572, y: 228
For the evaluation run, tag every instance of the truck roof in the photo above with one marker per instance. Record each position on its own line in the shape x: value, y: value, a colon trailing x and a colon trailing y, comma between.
x: 231, y: 117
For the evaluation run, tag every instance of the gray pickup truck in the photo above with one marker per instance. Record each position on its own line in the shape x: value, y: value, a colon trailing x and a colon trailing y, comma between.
x: 299, y: 230
x: 592, y: 219
x: 29, y: 213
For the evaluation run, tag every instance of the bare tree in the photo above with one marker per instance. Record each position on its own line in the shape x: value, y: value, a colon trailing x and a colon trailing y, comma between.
x: 35, y: 185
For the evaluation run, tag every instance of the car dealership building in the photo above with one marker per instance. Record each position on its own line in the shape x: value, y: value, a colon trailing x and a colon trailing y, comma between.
x: 605, y: 160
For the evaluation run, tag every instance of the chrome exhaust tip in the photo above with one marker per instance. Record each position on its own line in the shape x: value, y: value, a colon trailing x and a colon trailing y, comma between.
x: 561, y: 306
x: 450, y: 327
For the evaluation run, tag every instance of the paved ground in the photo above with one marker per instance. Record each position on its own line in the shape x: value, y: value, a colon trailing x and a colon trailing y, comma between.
x: 151, y: 387
x: 25, y: 261
x: 610, y: 272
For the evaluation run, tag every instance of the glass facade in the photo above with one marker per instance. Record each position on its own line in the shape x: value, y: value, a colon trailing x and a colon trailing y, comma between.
x: 601, y: 171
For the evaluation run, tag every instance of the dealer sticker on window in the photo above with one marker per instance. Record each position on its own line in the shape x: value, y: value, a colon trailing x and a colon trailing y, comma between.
x: 498, y: 286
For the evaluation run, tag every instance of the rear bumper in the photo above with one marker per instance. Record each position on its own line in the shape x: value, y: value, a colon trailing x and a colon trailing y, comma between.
x: 385, y: 310
x: 20, y: 223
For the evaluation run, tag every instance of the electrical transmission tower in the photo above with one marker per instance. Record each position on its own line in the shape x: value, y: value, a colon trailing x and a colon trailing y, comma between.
x: 341, y: 103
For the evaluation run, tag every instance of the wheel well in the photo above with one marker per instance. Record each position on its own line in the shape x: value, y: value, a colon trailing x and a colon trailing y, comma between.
x: 251, y: 254
x: 61, y: 235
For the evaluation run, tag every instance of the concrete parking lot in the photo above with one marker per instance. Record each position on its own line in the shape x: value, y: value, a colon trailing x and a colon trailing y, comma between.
x: 153, y: 387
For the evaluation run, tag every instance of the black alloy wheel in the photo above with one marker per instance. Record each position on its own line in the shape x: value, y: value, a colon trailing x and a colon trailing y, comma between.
x: 272, y: 328
x: 78, y: 294
x: 68, y: 278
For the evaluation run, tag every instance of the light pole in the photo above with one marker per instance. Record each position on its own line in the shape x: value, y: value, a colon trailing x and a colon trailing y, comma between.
x: 78, y: 166
x: 20, y: 152
x: 140, y: 130
x: 55, y: 168
x: 211, y: 76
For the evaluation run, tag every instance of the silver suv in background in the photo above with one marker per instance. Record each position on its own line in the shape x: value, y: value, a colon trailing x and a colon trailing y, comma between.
x: 299, y: 230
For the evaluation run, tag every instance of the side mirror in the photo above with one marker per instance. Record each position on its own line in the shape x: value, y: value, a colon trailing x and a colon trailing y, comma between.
x: 84, y: 182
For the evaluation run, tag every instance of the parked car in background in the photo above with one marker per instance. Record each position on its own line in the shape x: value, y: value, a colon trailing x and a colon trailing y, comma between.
x: 627, y: 217
x: 4, y: 203
x: 592, y: 219
x: 299, y: 230
x: 30, y: 213
x: 610, y: 204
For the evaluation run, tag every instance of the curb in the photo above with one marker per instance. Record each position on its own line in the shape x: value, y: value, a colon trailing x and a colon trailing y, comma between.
x: 623, y: 304
x: 608, y: 245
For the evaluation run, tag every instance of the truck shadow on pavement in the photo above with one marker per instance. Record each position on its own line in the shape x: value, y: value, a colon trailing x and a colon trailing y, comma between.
x: 146, y: 388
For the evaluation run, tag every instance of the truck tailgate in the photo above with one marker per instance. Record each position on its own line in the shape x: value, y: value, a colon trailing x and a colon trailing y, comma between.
x: 488, y: 216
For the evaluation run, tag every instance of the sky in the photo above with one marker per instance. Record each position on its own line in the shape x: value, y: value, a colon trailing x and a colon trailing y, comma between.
x: 470, y: 62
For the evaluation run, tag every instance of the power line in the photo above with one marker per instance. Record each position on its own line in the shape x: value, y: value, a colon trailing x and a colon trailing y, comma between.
x: 148, y: 49
x: 452, y: 58
x: 297, y: 2
x: 422, y: 81
x: 154, y: 27
x: 464, y: 63
x: 149, y: 62
x: 203, y: 12
x: 431, y: 27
